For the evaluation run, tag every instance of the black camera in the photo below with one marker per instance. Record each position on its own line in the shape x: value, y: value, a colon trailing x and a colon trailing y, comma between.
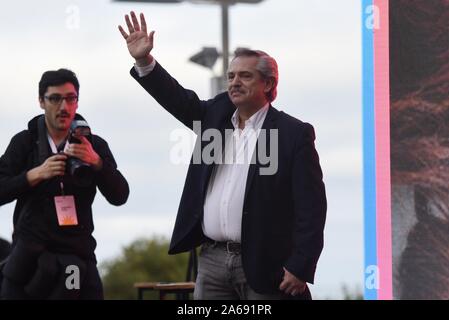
x: 81, y: 171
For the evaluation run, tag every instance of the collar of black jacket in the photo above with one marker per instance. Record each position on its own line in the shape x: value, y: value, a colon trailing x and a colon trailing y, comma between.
x: 32, y: 124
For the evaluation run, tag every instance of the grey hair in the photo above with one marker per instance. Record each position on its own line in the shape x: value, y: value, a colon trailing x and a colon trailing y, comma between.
x: 266, y: 65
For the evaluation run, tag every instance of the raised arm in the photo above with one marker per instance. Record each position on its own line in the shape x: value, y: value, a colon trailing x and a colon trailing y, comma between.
x: 139, y: 42
x: 182, y: 103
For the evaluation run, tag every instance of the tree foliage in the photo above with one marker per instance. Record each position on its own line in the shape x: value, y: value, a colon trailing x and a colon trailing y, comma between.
x: 144, y: 260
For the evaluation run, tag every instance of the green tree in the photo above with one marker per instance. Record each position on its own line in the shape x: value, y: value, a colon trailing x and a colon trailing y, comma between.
x: 144, y: 260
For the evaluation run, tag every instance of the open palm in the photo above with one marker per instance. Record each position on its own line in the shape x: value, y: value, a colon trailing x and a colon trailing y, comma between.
x: 138, y: 41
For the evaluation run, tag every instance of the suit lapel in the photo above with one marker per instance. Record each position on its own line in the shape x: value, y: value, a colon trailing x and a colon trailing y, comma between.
x: 269, y: 123
x: 224, y: 123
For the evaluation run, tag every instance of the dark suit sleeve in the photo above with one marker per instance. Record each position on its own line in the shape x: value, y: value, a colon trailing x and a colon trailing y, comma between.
x: 182, y: 103
x: 310, y: 205
x: 13, y: 180
x: 111, y: 183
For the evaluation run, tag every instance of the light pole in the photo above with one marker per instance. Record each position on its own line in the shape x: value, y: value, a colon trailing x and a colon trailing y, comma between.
x: 224, y: 4
x: 225, y: 37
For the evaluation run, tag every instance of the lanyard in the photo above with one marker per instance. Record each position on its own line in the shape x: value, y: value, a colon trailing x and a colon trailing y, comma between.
x: 55, y: 151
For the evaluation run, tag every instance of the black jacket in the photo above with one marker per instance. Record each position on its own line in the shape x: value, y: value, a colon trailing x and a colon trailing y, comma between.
x: 283, y: 214
x: 39, y: 222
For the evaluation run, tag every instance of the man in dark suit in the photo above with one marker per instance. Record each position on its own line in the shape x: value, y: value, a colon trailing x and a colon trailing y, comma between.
x: 260, y: 227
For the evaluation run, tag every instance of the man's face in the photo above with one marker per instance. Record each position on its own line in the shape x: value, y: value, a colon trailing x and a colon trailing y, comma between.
x: 246, y: 87
x: 59, y: 113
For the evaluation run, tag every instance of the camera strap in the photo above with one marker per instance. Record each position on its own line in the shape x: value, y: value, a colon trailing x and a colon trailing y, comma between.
x: 64, y: 204
x: 55, y: 150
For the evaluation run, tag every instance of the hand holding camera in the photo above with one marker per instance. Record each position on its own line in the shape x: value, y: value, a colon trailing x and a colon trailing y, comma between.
x: 84, y: 152
x: 78, y: 159
x: 52, y: 167
x: 82, y: 158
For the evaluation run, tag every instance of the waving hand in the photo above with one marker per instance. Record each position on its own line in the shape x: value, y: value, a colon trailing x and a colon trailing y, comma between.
x: 139, y: 42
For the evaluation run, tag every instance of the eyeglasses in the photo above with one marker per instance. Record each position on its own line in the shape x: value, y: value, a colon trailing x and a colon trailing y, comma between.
x: 56, y: 99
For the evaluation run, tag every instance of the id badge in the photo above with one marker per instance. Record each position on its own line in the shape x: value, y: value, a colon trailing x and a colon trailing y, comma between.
x: 66, y: 211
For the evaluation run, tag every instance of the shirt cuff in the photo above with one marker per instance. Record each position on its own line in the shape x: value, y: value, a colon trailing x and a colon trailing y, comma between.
x: 146, y: 70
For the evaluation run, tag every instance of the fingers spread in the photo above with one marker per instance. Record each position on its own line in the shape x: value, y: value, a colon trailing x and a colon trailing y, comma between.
x: 151, y: 37
x: 128, y: 23
x: 124, y: 34
x: 143, y: 23
x: 135, y: 22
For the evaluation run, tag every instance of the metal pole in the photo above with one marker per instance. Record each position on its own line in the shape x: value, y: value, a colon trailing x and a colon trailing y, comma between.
x: 225, y: 37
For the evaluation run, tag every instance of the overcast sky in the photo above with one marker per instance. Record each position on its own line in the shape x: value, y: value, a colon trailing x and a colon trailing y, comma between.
x: 317, y: 44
